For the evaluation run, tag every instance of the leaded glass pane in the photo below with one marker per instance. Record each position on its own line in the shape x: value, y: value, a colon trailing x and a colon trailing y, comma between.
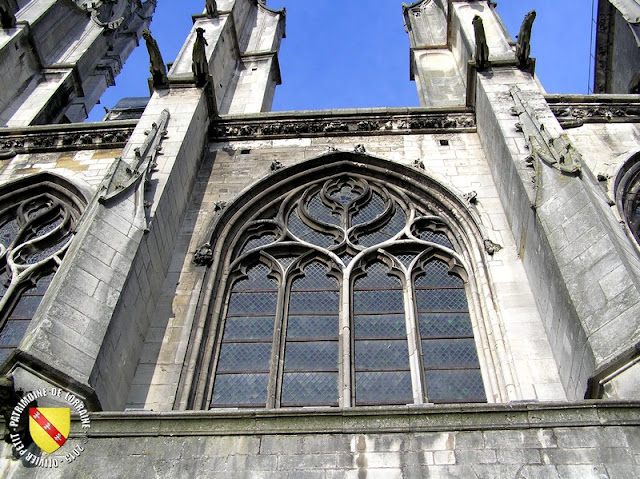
x: 256, y: 242
x: 455, y: 386
x: 436, y: 273
x: 252, y: 303
x: 9, y: 231
x: 310, y: 389
x: 42, y: 284
x: 313, y: 302
x: 319, y: 211
x: 380, y: 326
x: 382, y: 355
x: 320, y: 327
x: 43, y: 230
x: 311, y: 356
x: 378, y: 301
x: 450, y: 353
x: 12, y: 332
x: 257, y: 279
x: 345, y: 195
x: 377, y: 277
x: 36, y: 256
x: 388, y: 231
x: 315, y: 277
x: 4, y: 354
x: 383, y: 388
x: 441, y: 300
x: 302, y: 231
x: 436, y: 237
x: 370, y: 211
x: 244, y: 357
x: 260, y: 327
x: 240, y: 390
x: 434, y: 325
x: 26, y: 307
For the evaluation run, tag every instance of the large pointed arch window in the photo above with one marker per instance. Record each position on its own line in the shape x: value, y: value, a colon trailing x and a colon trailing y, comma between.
x: 345, y: 291
x: 38, y: 217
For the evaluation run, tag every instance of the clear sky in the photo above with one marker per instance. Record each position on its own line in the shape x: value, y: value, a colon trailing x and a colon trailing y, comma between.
x: 355, y: 53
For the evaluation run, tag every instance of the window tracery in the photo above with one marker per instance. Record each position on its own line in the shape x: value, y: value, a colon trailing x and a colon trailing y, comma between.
x: 37, y: 222
x: 628, y: 193
x: 345, y: 291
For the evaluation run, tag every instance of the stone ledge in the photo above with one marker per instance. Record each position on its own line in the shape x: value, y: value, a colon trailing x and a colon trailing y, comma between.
x: 74, y: 136
x: 364, y: 420
x: 575, y: 110
x: 353, y: 122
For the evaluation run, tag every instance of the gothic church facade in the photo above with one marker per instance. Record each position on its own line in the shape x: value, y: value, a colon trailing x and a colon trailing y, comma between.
x: 451, y: 290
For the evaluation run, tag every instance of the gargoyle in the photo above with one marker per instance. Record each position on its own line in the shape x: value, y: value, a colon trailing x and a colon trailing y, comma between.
x: 212, y: 8
x: 156, y: 64
x: 482, y: 48
x: 523, y: 47
x: 199, y: 63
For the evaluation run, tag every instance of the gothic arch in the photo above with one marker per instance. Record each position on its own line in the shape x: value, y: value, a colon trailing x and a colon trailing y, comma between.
x: 432, y: 224
x: 627, y: 195
x: 38, y: 218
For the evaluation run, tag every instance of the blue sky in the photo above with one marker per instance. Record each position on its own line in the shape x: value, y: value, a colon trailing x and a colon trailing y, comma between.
x: 355, y: 53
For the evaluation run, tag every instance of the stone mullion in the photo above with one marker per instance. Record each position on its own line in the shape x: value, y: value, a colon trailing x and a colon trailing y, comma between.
x: 345, y: 364
x: 413, y: 337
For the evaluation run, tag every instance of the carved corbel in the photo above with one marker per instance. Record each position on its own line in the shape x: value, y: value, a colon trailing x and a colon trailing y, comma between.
x: 490, y: 247
x: 203, y: 256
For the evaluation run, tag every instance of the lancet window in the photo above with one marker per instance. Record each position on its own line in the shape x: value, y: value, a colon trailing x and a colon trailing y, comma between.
x: 37, y: 222
x: 345, y: 291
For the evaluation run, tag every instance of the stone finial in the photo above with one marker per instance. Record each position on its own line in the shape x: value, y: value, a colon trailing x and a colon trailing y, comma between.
x: 523, y: 47
x: 482, y: 48
x: 156, y: 64
x: 211, y: 8
x: 199, y: 62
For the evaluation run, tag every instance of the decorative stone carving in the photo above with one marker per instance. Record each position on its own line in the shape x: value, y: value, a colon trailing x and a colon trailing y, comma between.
x: 7, y: 154
x: 211, y: 8
x: 490, y: 247
x: 339, y: 125
x: 157, y: 68
x: 203, y: 256
x: 523, y: 47
x: 360, y: 149
x: 199, y: 62
x: 471, y: 197
x: 418, y: 164
x: 276, y: 165
x: 482, y: 48
x: 126, y: 175
x: 576, y: 114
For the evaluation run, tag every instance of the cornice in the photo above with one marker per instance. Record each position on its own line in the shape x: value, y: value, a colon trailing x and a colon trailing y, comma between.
x: 76, y: 136
x: 360, y: 122
x: 576, y: 110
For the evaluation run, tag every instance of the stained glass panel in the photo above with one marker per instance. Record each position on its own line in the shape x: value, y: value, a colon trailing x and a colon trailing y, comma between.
x: 382, y: 355
x: 381, y: 326
x: 450, y: 353
x: 383, y: 388
x: 260, y: 327
x: 311, y: 356
x: 455, y: 386
x: 434, y: 325
x: 320, y: 327
x: 436, y: 237
x: 441, y: 300
x: 310, y: 389
x: 240, y: 390
x: 244, y: 357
